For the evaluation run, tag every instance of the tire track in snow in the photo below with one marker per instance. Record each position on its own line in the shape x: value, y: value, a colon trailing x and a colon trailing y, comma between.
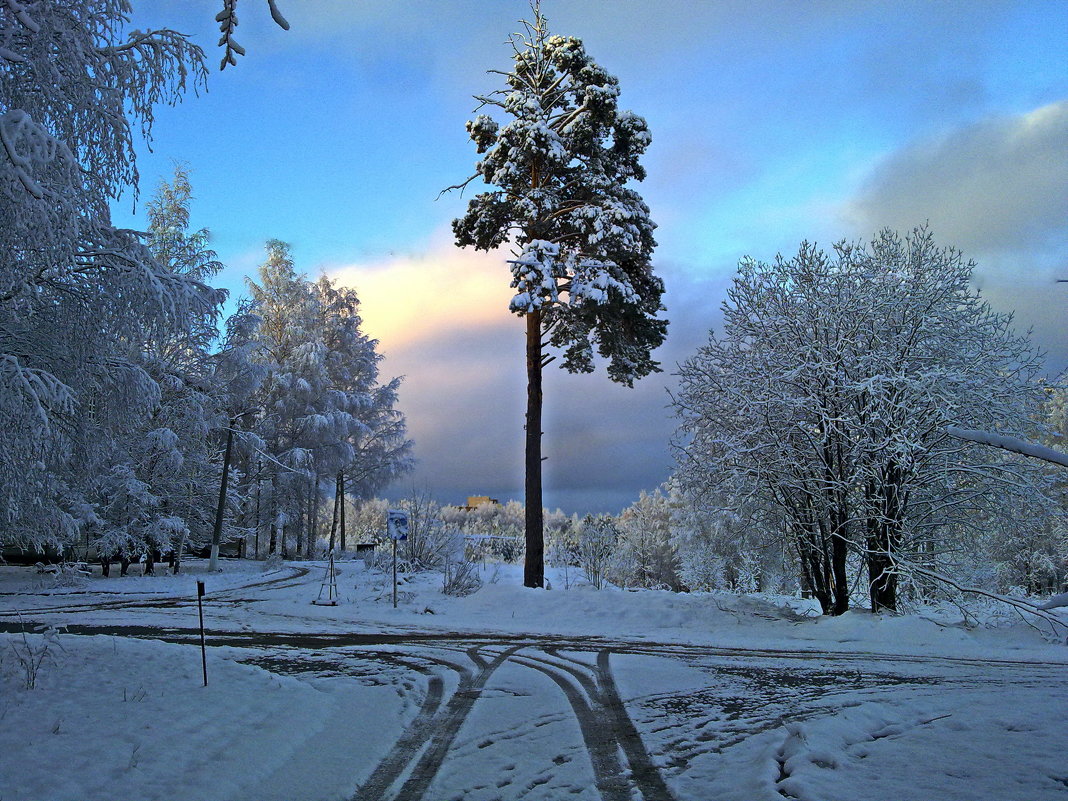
x: 430, y: 738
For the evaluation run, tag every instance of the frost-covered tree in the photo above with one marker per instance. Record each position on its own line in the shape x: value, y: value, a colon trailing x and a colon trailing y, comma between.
x: 645, y: 551
x: 559, y: 168
x: 77, y: 295
x: 170, y: 451
x: 723, y: 546
x: 597, y: 540
x: 323, y: 413
x: 373, y: 448
x: 823, y: 407
x: 291, y: 396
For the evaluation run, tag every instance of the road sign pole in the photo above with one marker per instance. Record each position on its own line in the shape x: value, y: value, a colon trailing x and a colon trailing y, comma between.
x: 396, y: 529
x: 203, y: 646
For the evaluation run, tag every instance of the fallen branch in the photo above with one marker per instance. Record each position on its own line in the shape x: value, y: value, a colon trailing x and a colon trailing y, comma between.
x: 1008, y: 443
x: 1019, y: 605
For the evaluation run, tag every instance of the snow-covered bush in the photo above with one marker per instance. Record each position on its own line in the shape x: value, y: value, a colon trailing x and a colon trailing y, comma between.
x: 596, y: 546
x: 460, y: 578
x: 70, y: 574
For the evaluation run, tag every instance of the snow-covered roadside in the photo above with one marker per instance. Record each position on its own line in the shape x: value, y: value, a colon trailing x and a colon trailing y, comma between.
x: 118, y: 718
x: 27, y: 581
x: 503, y: 605
x: 959, y: 736
x: 255, y: 736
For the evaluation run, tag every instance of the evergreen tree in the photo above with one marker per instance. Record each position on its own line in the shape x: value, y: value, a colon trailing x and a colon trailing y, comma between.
x: 559, y: 169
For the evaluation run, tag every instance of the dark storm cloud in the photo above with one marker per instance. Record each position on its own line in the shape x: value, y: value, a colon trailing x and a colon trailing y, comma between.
x: 998, y: 191
x: 998, y: 185
x: 464, y: 396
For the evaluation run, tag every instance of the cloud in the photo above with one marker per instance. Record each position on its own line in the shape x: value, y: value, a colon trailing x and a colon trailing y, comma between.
x: 996, y: 189
x: 442, y: 321
x: 994, y: 186
x: 410, y: 298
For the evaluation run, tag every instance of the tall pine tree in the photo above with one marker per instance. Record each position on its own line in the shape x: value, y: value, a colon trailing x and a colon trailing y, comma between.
x: 559, y: 169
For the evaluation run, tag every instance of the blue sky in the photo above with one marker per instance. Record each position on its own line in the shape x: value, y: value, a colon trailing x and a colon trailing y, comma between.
x: 772, y: 122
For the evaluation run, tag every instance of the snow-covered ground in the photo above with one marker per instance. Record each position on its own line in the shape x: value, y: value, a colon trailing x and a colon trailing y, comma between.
x: 511, y: 693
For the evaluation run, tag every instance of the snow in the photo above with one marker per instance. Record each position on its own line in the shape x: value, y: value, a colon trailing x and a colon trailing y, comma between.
x: 734, y: 697
x: 1013, y: 444
x: 1055, y: 602
x: 119, y: 718
x: 44, y: 589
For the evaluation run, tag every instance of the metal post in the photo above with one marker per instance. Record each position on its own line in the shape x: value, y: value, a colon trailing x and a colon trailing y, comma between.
x: 394, y: 574
x: 203, y: 646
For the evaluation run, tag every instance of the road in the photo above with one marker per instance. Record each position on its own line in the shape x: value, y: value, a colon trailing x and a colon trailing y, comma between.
x: 500, y: 716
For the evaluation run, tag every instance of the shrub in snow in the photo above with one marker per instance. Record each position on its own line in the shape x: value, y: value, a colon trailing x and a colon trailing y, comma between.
x: 430, y: 542
x: 70, y: 574
x: 33, y: 653
x: 460, y: 578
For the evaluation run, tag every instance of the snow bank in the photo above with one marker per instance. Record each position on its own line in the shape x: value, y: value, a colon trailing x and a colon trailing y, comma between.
x: 131, y: 719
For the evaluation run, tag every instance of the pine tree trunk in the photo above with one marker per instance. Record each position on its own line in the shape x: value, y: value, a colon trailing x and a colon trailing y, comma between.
x: 336, y: 516
x: 216, y: 534
x: 341, y: 486
x: 534, y: 563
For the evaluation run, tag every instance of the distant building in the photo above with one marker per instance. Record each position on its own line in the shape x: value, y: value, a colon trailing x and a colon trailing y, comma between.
x: 475, y: 501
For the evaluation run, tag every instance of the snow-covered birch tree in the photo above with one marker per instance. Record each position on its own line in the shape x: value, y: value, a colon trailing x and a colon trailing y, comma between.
x: 166, y: 456
x: 76, y: 294
x: 825, y: 403
x: 559, y: 168
x: 645, y: 551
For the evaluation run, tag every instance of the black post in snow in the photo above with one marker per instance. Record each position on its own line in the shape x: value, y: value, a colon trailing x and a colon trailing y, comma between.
x: 203, y: 646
